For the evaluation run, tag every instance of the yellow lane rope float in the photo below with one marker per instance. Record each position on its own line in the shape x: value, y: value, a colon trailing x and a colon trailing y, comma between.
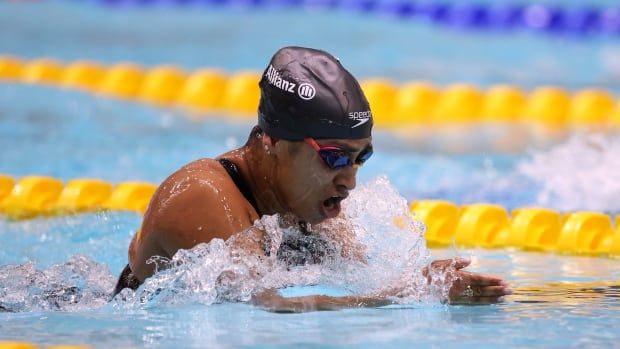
x: 33, y: 196
x: 483, y: 225
x: 414, y: 103
x: 28, y: 345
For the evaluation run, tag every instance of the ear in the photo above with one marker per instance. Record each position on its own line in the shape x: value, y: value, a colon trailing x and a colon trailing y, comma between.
x: 269, y: 141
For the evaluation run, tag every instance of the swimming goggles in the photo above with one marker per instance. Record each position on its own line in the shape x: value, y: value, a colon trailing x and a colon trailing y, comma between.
x: 335, y: 157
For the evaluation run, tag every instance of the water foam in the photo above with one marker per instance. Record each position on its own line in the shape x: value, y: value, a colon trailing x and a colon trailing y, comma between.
x: 374, y: 247
x: 581, y: 174
x: 77, y: 284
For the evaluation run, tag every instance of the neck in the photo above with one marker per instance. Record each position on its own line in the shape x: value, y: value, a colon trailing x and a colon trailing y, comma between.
x: 259, y: 172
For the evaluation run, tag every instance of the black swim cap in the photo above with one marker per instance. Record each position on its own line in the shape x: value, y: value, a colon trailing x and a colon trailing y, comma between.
x: 308, y: 93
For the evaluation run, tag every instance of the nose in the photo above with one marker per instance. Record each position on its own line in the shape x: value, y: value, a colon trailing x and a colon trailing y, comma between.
x: 346, y: 178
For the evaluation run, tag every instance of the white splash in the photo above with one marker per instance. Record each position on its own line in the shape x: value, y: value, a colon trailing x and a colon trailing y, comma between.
x: 581, y: 174
x: 374, y: 247
x: 77, y: 284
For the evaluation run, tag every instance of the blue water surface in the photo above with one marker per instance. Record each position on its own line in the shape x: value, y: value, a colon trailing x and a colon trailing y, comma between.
x: 560, y: 301
x: 240, y: 38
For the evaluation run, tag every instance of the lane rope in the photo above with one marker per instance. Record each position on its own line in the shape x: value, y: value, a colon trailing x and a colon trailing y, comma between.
x: 414, y: 103
x: 474, y: 225
x: 576, y: 22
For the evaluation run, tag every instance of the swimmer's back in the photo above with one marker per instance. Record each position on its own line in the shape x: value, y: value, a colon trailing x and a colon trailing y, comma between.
x: 196, y: 204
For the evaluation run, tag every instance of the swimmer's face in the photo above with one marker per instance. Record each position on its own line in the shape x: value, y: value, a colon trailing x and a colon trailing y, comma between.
x: 312, y: 190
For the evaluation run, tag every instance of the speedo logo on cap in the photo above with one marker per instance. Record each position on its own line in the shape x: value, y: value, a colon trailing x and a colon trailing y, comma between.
x: 361, y: 117
x: 274, y: 78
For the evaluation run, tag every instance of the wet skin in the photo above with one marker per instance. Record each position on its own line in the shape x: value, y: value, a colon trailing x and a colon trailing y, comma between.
x: 200, y: 202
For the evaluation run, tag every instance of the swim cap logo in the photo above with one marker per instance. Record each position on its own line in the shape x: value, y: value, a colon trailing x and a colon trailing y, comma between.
x: 361, y: 117
x: 274, y: 78
x: 306, y: 91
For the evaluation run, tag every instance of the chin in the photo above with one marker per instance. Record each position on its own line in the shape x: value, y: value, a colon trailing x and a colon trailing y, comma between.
x: 315, y: 221
x: 315, y: 218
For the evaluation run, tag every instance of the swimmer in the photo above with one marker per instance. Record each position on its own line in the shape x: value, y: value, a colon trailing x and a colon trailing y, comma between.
x: 301, y: 160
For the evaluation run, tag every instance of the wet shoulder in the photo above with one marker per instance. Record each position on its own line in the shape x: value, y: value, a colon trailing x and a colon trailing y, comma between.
x: 205, y: 178
x: 199, y: 201
x: 195, y: 204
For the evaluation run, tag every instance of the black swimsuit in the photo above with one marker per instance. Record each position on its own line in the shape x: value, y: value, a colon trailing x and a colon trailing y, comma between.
x: 235, y: 175
x: 295, y: 249
x: 128, y: 280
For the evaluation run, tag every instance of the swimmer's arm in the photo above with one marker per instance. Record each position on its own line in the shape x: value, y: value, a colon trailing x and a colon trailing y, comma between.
x: 186, y: 211
x: 272, y: 301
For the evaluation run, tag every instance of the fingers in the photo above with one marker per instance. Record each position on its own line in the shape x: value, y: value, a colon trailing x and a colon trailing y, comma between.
x: 461, y: 262
x: 479, y: 294
x: 458, y: 263
x: 468, y: 278
x: 491, y: 291
x: 444, y: 265
x: 471, y: 288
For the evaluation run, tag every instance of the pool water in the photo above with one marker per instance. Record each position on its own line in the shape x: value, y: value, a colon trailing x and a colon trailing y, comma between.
x: 369, y: 46
x: 63, y: 132
x: 559, y: 301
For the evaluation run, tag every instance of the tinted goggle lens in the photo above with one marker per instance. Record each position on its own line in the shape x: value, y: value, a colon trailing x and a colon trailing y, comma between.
x: 337, y: 158
x: 365, y: 155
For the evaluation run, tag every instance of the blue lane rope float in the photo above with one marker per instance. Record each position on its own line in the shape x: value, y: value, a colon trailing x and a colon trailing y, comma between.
x: 544, y: 18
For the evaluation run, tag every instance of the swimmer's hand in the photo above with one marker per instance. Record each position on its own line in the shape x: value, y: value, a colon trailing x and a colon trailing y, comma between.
x: 271, y: 300
x: 467, y: 287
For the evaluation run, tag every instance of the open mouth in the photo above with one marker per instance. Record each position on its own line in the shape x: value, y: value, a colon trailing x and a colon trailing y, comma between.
x: 331, y: 206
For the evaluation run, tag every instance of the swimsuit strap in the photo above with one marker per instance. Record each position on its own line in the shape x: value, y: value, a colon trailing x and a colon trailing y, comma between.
x: 126, y: 280
x: 235, y: 175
